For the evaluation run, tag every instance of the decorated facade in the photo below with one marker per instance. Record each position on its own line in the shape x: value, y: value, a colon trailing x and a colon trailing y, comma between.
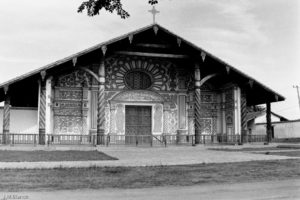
x: 147, y: 82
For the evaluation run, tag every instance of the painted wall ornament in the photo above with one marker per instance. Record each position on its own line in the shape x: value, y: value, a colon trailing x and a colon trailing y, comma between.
x: 118, y: 67
x: 77, y: 78
x: 140, y: 95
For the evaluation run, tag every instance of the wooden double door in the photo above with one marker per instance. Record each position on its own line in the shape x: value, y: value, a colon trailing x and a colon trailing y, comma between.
x: 138, y: 125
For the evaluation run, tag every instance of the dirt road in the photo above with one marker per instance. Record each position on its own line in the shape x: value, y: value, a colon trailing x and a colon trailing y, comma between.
x: 287, y: 189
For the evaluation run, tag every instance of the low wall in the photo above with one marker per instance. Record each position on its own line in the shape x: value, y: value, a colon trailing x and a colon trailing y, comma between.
x: 288, y: 129
x: 22, y: 120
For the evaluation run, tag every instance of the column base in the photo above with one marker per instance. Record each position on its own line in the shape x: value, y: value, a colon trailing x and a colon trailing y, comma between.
x: 197, y: 137
x: 181, y: 136
x: 100, y: 137
x: 42, y: 136
x: 5, y: 137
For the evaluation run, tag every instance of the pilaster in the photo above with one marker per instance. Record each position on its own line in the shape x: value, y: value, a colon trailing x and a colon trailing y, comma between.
x: 42, y: 109
x: 269, y: 122
x: 48, y: 109
x: 166, y: 110
x: 6, y: 117
x: 237, y: 110
x: 101, y: 100
x: 243, y: 115
x: 197, y: 104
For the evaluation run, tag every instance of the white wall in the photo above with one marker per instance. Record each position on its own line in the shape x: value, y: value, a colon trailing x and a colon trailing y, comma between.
x: 262, y: 119
x: 287, y: 130
x: 290, y: 129
x: 22, y: 120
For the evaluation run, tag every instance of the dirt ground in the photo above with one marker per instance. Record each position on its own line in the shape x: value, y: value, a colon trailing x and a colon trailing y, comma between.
x: 288, y: 189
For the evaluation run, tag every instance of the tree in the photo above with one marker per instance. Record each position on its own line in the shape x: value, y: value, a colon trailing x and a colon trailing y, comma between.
x: 93, y: 7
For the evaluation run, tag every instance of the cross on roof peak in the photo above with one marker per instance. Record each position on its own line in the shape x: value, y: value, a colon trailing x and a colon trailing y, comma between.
x: 153, y: 11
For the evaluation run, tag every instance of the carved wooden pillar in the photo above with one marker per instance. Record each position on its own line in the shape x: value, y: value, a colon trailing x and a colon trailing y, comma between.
x: 101, y: 100
x: 42, y: 109
x: 243, y: 117
x: 197, y: 104
x: 6, y: 117
x: 269, y: 123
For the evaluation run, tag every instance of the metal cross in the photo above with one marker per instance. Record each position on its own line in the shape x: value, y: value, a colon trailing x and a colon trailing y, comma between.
x: 154, y: 12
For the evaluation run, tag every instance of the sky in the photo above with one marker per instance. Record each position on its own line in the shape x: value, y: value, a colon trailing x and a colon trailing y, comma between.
x: 260, y: 38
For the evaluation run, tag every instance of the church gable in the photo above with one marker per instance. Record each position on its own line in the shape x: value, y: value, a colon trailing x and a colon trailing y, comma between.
x: 147, y: 83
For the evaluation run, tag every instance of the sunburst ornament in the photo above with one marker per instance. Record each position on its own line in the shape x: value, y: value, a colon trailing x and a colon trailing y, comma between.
x: 150, y: 74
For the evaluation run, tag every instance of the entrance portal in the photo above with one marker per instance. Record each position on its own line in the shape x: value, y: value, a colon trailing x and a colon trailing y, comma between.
x: 138, y: 125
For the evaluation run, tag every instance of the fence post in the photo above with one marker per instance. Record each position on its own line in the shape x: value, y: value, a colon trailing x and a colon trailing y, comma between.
x: 192, y: 140
x: 13, y: 139
x: 107, y: 140
x: 34, y: 140
x: 165, y: 140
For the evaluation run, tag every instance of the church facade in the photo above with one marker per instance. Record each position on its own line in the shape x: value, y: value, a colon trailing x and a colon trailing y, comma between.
x: 149, y: 82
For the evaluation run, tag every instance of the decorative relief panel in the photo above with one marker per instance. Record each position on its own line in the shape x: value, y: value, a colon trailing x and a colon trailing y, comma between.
x: 209, y: 104
x: 173, y: 121
x: 206, y: 98
x: 171, y: 99
x: 71, y: 103
x: 158, y: 114
x: 69, y: 125
x: 77, y: 78
x: 107, y: 120
x: 120, y: 119
x: 229, y: 109
x: 162, y: 78
x: 191, y: 124
x: 70, y: 94
x: 166, y: 122
x: 141, y: 96
x: 206, y: 126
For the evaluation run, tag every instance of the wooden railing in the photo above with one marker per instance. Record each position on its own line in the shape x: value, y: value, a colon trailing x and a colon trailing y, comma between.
x: 130, y: 140
x: 69, y: 139
x: 19, y: 138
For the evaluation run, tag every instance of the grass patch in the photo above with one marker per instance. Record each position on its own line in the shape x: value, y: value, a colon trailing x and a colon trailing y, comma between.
x: 142, y: 177
x: 38, y: 156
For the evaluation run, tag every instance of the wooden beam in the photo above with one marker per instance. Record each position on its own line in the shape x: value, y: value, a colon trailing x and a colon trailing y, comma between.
x: 163, y: 46
x: 206, y: 78
x: 269, y: 122
x: 161, y: 55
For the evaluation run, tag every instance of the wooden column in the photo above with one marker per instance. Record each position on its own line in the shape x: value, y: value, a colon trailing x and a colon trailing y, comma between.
x: 42, y: 109
x: 197, y: 104
x: 6, y: 117
x: 243, y: 117
x: 101, y: 100
x: 269, y: 123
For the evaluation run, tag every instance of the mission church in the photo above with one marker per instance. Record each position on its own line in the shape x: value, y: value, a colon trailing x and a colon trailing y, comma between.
x: 149, y: 82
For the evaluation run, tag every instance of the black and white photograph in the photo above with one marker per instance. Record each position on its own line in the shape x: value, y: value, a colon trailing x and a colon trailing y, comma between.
x: 150, y: 99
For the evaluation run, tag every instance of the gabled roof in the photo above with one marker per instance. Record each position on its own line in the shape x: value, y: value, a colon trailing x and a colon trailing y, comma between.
x: 277, y: 96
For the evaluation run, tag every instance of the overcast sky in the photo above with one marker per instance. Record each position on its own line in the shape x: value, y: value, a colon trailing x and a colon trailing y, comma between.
x: 261, y: 38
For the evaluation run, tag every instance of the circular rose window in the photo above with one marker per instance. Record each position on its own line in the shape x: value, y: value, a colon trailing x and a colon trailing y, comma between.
x: 138, y: 80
